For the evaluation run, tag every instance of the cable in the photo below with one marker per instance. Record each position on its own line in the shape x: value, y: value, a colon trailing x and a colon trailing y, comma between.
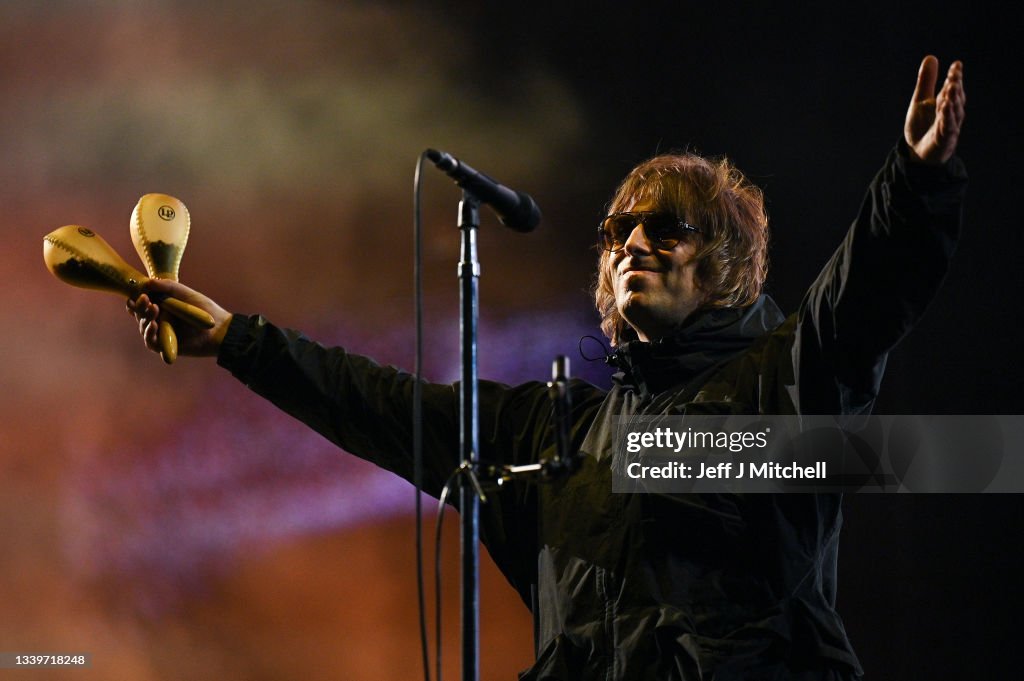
x: 417, y: 417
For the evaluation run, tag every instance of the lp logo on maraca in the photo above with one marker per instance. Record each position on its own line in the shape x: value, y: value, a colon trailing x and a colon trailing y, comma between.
x: 166, y: 212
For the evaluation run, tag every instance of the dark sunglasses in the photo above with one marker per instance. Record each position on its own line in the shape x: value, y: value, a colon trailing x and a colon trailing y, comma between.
x: 663, y: 230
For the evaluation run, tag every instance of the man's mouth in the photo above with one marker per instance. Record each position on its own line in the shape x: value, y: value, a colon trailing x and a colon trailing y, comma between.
x: 637, y: 268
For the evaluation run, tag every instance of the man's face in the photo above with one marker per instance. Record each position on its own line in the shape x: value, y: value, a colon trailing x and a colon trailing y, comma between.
x: 655, y: 290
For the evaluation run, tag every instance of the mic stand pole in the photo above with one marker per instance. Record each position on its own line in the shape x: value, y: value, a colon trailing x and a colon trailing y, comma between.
x: 471, y: 494
x: 469, y: 502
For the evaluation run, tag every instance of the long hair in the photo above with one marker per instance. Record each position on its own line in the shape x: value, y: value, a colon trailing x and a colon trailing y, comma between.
x: 713, y: 195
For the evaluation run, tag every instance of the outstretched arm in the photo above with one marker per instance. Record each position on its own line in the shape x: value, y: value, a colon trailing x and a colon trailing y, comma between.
x: 933, y: 124
x: 892, y: 260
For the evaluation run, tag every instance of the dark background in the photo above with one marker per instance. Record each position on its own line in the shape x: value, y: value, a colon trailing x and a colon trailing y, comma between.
x: 173, y: 525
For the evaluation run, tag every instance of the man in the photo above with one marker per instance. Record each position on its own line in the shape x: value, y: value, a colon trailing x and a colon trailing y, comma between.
x: 647, y: 586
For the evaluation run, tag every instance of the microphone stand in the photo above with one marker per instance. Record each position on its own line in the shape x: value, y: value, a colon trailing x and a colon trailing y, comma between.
x: 472, y: 494
x: 469, y: 440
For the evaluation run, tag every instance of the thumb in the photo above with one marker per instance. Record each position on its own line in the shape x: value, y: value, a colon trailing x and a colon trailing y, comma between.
x: 926, y: 77
x: 164, y: 286
x: 174, y: 289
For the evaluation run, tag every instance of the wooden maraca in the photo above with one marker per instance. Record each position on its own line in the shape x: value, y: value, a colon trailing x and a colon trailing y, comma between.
x: 159, y: 226
x: 79, y: 256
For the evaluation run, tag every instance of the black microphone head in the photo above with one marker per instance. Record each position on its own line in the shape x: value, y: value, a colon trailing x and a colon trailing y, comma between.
x: 515, y: 210
x: 526, y: 217
x: 442, y: 160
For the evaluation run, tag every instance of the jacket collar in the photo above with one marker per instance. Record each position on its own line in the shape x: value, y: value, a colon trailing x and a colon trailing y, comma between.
x: 707, y: 338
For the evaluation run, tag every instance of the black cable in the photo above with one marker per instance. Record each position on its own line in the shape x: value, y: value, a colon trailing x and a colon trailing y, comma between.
x: 417, y: 415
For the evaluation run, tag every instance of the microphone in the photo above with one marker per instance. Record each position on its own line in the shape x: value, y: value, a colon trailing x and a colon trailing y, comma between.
x: 516, y: 210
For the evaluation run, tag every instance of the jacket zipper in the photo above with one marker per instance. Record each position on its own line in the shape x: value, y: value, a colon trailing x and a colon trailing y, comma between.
x: 609, y: 622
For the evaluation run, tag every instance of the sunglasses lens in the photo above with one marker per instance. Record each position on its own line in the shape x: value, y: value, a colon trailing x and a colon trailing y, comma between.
x: 662, y: 229
x: 616, y: 229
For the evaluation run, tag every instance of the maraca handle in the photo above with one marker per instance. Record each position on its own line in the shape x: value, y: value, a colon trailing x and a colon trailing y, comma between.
x: 186, y: 312
x: 168, y: 342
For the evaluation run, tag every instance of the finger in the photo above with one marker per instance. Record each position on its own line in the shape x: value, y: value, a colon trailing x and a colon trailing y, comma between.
x: 151, y: 336
x: 157, y: 285
x: 142, y: 308
x: 926, y: 77
x: 144, y: 326
x: 957, y: 102
x: 146, y: 312
x: 956, y: 75
x: 953, y: 99
x: 133, y: 305
x: 949, y: 123
x: 954, y: 84
x: 138, y: 306
x: 946, y: 102
x: 956, y: 69
x: 169, y: 287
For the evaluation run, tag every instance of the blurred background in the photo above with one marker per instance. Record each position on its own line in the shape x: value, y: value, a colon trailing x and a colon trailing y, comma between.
x: 175, y: 526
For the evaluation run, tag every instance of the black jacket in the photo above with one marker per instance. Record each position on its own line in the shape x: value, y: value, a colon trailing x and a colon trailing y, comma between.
x: 648, y: 586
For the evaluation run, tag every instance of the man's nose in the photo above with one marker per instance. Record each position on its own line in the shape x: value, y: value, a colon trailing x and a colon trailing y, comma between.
x: 637, y: 241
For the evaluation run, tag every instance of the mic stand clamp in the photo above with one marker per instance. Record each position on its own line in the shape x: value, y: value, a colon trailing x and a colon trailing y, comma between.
x: 564, y: 462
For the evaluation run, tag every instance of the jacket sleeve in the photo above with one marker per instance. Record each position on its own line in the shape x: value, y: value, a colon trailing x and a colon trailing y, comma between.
x: 878, y: 283
x: 366, y: 408
x: 351, y: 400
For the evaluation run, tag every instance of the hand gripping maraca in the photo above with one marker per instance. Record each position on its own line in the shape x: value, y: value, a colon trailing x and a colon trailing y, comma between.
x: 79, y: 256
x: 159, y: 227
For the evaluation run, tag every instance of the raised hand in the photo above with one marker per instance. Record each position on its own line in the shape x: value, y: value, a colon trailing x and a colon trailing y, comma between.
x: 933, y: 123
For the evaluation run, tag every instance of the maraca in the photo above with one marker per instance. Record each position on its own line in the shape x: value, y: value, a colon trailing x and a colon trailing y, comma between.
x: 159, y: 227
x: 79, y: 256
